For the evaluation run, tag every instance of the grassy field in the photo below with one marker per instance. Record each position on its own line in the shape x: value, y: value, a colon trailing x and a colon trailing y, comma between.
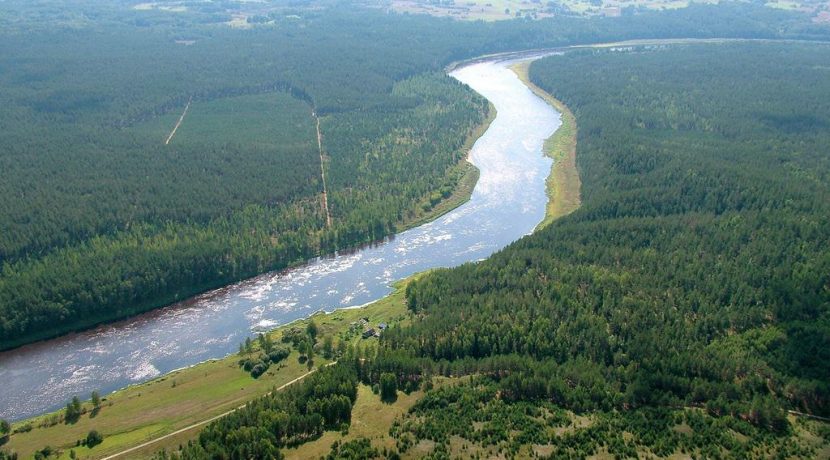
x: 143, y: 412
x: 486, y: 10
x: 563, y: 184
x: 495, y: 10
x: 371, y: 419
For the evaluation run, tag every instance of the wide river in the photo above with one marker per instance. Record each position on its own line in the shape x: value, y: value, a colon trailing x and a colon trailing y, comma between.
x: 508, y: 202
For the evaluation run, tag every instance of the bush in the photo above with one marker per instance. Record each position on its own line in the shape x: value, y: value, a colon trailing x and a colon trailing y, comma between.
x: 24, y: 428
x: 278, y: 354
x: 93, y: 438
x: 73, y: 410
x: 258, y: 370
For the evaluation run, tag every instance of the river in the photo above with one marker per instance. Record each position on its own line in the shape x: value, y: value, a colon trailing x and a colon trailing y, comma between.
x: 507, y: 203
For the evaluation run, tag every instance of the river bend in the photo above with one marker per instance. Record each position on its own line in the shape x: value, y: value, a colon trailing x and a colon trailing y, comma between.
x: 508, y: 201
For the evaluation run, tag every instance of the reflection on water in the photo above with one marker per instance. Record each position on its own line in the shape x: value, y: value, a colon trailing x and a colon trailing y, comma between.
x: 507, y: 203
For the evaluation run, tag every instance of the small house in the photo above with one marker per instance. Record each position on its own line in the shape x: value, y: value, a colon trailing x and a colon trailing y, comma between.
x: 369, y: 333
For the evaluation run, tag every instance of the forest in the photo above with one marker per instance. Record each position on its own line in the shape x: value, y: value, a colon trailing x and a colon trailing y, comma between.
x: 684, y: 308
x: 107, y: 221
x: 110, y: 211
x: 696, y: 272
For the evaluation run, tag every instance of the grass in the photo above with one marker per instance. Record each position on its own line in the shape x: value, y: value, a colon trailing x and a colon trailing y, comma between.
x: 563, y: 183
x: 784, y: 5
x: 371, y: 419
x: 495, y: 10
x: 472, y: 10
x: 143, y: 412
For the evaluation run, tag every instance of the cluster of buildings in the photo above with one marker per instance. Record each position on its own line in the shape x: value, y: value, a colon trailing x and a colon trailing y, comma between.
x: 368, y: 330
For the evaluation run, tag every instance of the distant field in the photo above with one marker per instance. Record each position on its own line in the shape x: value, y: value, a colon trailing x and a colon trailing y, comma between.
x: 488, y: 10
x: 494, y: 10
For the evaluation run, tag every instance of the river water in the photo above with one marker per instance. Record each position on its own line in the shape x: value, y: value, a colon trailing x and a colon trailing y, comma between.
x: 507, y: 203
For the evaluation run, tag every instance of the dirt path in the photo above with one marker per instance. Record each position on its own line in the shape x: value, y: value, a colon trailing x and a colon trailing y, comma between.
x: 814, y: 417
x: 179, y: 123
x: 205, y: 422
x: 322, y: 169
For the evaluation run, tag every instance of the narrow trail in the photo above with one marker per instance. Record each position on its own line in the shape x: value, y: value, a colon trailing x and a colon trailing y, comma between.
x: 811, y: 416
x: 322, y: 170
x: 179, y: 123
x: 205, y: 422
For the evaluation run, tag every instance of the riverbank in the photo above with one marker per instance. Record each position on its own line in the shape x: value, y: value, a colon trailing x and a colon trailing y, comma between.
x: 563, y: 184
x: 181, y: 398
x: 468, y: 177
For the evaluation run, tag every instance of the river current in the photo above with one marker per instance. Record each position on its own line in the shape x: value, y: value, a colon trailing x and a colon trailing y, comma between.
x: 508, y: 201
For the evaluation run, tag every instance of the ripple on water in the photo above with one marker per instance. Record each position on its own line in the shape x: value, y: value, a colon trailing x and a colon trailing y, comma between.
x: 284, y: 305
x: 144, y: 371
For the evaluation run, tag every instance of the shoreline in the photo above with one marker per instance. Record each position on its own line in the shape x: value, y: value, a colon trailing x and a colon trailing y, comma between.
x: 463, y: 190
x: 563, y: 184
x: 215, y: 385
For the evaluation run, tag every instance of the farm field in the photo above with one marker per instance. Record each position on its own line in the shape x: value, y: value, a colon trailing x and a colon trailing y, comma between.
x: 496, y: 10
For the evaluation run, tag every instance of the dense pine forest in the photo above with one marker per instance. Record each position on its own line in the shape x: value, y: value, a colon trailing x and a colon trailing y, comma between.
x: 684, y: 309
x: 696, y: 272
x: 146, y: 156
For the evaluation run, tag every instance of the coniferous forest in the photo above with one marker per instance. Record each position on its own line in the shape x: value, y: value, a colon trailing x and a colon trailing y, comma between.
x: 111, y: 210
x: 683, y: 309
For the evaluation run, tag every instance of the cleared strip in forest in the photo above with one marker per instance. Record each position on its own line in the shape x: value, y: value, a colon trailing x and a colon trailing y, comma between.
x: 811, y: 416
x: 322, y: 169
x: 179, y: 123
